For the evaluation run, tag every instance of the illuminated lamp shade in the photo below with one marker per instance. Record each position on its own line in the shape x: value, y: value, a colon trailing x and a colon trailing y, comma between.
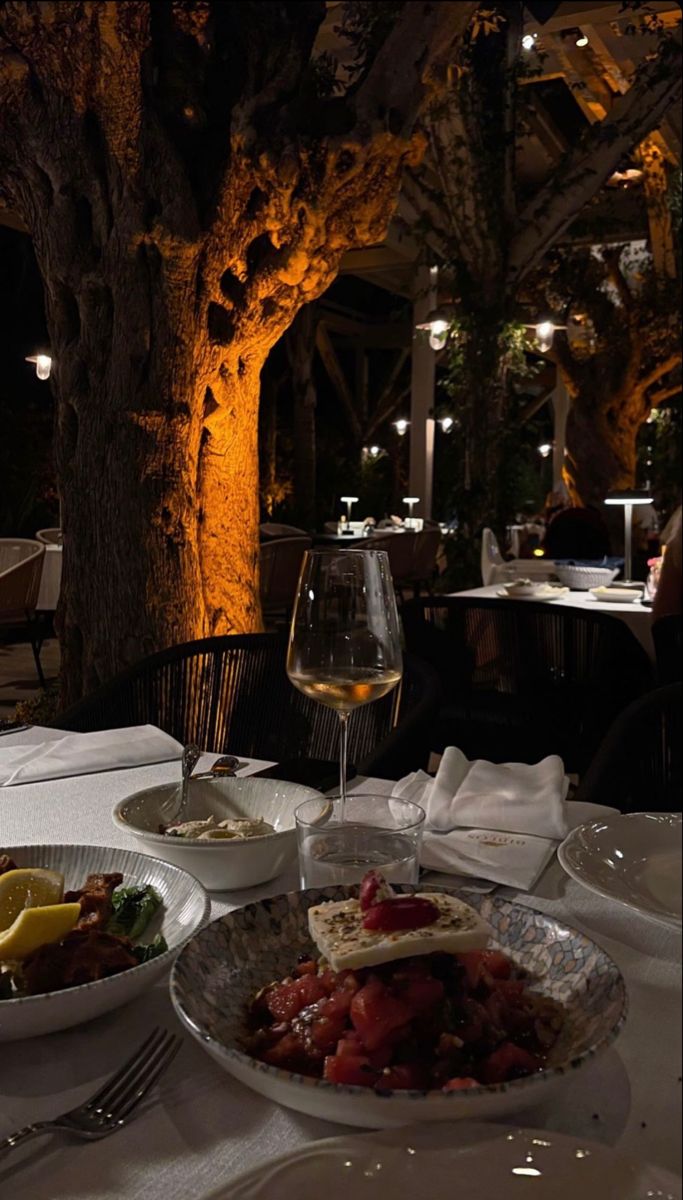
x: 582, y: 40
x: 446, y: 424
x: 545, y: 449
x: 438, y: 326
x: 43, y: 365
x: 627, y: 499
x: 545, y: 332
x: 349, y: 501
x: 401, y: 426
x: 529, y: 41
x: 411, y: 501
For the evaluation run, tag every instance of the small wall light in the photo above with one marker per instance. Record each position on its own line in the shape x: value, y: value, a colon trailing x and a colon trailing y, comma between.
x: 401, y: 426
x: 43, y: 364
x: 545, y: 449
x: 446, y: 424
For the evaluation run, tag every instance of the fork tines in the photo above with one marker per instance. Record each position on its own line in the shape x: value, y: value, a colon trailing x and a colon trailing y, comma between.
x: 138, y: 1074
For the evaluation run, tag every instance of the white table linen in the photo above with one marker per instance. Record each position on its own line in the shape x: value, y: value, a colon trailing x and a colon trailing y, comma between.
x: 85, y: 754
x: 637, y: 616
x: 203, y: 1128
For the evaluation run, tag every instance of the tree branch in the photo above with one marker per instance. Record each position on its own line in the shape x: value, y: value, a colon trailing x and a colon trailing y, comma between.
x: 657, y: 86
x: 658, y: 398
x: 660, y: 370
x: 411, y: 64
x: 611, y: 256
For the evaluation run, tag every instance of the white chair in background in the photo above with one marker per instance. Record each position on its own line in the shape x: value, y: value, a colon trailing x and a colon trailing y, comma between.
x: 50, y: 537
x: 21, y: 568
x: 491, y: 557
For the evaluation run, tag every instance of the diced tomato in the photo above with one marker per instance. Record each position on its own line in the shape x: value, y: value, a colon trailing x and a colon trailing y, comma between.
x: 422, y: 994
x: 510, y: 988
x: 285, y: 1001
x: 474, y: 1021
x: 376, y: 1014
x: 403, y: 1075
x: 284, y: 1053
x: 349, y: 1046
x: 309, y: 967
x: 326, y: 1032
x: 402, y: 912
x: 476, y: 962
x: 351, y: 1069
x: 373, y: 887
x: 508, y: 1062
x: 461, y: 1084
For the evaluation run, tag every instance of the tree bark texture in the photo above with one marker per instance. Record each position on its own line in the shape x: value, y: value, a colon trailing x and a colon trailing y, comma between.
x: 601, y: 440
x: 187, y: 193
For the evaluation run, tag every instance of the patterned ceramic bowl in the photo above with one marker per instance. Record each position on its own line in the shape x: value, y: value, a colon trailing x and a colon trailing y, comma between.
x: 221, y: 968
x: 186, y: 907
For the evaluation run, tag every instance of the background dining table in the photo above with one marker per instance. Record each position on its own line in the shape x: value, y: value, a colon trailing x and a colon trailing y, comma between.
x: 637, y: 616
x: 202, y: 1128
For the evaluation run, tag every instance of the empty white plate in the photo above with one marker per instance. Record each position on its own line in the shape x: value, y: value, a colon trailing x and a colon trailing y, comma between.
x: 476, y: 1162
x: 634, y: 858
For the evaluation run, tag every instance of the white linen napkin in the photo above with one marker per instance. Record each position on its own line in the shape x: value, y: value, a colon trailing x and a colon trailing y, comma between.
x: 493, y: 821
x: 87, y: 753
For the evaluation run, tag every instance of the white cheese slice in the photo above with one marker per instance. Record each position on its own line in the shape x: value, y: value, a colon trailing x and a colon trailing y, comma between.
x: 337, y: 930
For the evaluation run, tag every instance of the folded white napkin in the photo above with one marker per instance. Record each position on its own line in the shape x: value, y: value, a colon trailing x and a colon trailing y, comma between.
x: 495, y: 821
x: 86, y: 753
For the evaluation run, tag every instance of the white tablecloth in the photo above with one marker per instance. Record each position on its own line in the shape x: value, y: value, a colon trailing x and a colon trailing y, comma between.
x: 203, y: 1127
x: 637, y: 616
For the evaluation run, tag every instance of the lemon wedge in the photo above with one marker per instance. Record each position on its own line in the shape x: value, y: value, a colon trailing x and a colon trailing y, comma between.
x: 35, y: 927
x: 27, y: 887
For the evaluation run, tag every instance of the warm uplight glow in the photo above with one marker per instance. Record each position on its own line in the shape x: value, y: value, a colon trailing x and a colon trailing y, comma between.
x: 43, y: 364
x: 446, y: 424
x: 401, y: 426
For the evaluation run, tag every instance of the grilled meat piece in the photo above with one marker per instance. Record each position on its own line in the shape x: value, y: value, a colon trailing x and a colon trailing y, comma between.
x: 7, y: 864
x: 95, y: 899
x: 83, y: 956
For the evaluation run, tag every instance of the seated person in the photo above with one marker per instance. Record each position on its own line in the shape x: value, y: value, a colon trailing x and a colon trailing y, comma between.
x: 667, y: 601
x: 579, y: 533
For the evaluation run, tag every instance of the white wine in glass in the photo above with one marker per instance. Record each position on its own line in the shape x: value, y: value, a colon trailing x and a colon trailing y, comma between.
x: 344, y: 643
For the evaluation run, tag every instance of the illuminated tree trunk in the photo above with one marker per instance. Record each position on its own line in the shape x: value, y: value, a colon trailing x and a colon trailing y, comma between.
x: 601, y: 441
x: 191, y: 175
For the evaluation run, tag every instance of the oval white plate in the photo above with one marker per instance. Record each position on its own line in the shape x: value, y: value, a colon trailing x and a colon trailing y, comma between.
x: 634, y: 858
x: 618, y: 596
x: 476, y: 1162
x: 552, y: 593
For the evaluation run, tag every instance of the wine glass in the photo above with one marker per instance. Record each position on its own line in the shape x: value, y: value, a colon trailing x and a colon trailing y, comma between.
x: 344, y: 642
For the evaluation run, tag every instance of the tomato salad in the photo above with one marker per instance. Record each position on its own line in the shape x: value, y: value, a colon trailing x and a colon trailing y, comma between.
x: 435, y: 1020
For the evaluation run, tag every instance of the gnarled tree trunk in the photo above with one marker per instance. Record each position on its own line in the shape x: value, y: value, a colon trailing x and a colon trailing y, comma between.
x: 601, y: 441
x: 188, y: 189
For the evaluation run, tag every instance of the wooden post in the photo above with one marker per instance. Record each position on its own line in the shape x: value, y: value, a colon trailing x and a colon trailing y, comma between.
x: 422, y: 395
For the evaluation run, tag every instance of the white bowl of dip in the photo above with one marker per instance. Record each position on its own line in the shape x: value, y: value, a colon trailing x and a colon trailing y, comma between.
x: 221, y: 864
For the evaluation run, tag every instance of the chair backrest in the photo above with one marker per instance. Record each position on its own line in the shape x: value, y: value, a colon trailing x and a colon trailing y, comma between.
x: 490, y: 556
x: 638, y: 765
x: 271, y: 529
x: 425, y: 549
x: 280, y: 561
x: 51, y: 537
x: 666, y: 634
x: 21, y: 566
x: 400, y: 548
x: 557, y: 667
x: 233, y: 694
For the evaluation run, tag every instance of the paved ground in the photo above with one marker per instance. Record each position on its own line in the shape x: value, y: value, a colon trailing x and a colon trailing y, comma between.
x: 18, y: 679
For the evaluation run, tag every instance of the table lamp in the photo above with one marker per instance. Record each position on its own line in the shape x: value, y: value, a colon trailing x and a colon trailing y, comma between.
x: 628, y: 499
x: 411, y: 501
x: 349, y: 501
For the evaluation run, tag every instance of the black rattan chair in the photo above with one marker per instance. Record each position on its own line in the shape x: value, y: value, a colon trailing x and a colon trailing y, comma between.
x: 232, y: 694
x: 638, y: 766
x: 666, y: 635
x: 520, y: 680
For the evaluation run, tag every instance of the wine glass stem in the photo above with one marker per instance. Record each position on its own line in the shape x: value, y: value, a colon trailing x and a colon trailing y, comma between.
x: 343, y: 745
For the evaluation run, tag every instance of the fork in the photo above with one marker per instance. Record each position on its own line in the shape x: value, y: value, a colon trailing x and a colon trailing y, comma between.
x: 112, y: 1105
